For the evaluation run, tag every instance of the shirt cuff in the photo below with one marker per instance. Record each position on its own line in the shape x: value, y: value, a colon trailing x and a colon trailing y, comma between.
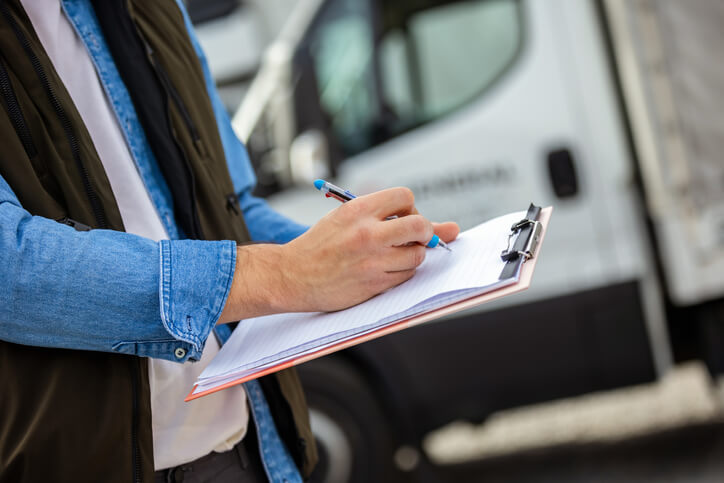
x: 195, y: 280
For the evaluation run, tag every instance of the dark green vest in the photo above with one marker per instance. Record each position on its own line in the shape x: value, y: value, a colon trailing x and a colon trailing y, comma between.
x: 85, y: 416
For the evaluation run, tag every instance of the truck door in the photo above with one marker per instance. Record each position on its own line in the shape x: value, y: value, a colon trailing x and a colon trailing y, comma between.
x: 481, y: 107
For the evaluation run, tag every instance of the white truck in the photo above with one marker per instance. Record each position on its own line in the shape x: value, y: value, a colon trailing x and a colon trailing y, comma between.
x: 608, y: 110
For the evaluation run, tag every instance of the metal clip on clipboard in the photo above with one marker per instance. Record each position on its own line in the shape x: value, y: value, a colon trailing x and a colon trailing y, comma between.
x: 528, y: 231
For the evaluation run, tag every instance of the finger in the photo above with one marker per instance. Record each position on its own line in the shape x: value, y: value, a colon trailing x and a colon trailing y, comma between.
x: 447, y: 231
x: 405, y: 230
x: 400, y: 259
x: 396, y: 278
x: 390, y: 202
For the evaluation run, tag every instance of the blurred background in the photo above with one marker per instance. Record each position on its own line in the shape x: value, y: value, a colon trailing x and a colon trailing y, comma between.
x: 608, y: 368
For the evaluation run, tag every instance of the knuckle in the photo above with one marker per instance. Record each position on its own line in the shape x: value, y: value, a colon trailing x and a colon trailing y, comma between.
x: 419, y: 224
x: 363, y: 235
x: 353, y: 208
x: 407, y: 195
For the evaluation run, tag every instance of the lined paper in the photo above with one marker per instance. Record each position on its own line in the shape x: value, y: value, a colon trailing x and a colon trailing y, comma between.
x: 473, y: 267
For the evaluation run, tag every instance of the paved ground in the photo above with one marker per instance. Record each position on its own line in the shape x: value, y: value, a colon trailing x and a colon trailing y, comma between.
x: 689, y: 454
x: 671, y: 431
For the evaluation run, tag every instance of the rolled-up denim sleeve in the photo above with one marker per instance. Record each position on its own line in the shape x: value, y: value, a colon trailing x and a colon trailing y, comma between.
x: 105, y: 290
x: 195, y: 281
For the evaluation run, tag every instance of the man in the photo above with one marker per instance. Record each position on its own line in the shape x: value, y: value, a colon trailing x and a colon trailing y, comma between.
x: 118, y: 171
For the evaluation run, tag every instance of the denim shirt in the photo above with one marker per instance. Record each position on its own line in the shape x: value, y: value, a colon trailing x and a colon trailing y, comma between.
x: 156, y: 299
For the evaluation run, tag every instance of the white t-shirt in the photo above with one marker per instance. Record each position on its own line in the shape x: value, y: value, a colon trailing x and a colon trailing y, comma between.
x: 182, y: 432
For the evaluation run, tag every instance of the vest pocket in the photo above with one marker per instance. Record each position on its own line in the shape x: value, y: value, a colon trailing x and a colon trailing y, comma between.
x: 16, y: 114
x: 20, y: 125
x: 232, y: 204
x: 173, y: 95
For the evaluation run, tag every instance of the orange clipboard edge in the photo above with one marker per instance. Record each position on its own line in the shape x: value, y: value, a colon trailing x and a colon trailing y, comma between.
x: 525, y: 280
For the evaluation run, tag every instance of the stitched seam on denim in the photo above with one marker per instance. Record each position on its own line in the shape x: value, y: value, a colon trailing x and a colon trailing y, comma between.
x: 164, y: 255
x: 157, y: 346
x: 227, y: 264
x: 165, y: 297
x: 225, y: 269
x: 146, y: 342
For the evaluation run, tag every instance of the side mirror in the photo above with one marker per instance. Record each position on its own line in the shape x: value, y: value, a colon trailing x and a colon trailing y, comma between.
x: 309, y: 157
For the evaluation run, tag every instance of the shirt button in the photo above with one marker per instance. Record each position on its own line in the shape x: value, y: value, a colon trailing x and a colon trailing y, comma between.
x: 180, y: 352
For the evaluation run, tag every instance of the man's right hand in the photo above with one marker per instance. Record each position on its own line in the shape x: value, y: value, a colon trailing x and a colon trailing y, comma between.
x: 352, y: 254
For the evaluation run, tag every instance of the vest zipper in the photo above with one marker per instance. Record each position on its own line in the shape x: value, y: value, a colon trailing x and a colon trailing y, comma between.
x: 98, y: 212
x: 176, y: 98
x: 16, y: 114
x: 173, y: 94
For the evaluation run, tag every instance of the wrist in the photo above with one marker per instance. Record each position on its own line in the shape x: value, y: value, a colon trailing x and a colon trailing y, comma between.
x: 259, y: 286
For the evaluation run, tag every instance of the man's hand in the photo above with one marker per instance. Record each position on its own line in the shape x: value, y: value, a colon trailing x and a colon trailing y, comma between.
x: 349, y: 256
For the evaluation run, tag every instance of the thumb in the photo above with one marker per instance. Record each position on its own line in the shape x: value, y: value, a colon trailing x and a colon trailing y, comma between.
x: 447, y: 231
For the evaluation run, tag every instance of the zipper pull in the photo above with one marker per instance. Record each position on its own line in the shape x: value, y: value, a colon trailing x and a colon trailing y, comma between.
x: 199, y: 145
x: 75, y: 224
x: 232, y: 203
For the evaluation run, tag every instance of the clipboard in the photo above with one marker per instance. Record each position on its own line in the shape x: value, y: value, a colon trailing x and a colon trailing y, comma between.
x: 522, y: 256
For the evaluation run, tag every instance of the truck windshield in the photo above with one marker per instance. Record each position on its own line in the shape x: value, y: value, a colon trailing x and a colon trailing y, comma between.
x: 383, y: 68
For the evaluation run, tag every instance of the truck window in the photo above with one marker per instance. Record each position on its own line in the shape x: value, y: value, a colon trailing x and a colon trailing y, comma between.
x: 342, y: 51
x: 383, y: 68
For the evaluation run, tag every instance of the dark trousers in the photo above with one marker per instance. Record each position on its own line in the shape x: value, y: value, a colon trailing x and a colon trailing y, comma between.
x: 242, y: 464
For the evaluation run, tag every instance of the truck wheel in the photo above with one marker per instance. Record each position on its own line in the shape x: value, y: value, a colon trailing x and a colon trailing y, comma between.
x: 353, y: 437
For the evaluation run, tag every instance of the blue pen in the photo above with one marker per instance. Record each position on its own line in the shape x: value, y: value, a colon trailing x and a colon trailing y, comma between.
x: 332, y: 191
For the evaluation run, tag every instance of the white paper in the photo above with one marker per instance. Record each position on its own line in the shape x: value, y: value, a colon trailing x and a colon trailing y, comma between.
x: 473, y: 267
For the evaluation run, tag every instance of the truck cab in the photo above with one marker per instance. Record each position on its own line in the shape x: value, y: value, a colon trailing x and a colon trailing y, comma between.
x: 481, y: 107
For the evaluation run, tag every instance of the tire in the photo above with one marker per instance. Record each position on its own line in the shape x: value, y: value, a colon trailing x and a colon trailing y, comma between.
x: 711, y: 336
x: 353, y: 436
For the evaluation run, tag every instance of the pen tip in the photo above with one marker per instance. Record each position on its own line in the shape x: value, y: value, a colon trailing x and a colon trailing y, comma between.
x: 318, y: 183
x: 444, y: 245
